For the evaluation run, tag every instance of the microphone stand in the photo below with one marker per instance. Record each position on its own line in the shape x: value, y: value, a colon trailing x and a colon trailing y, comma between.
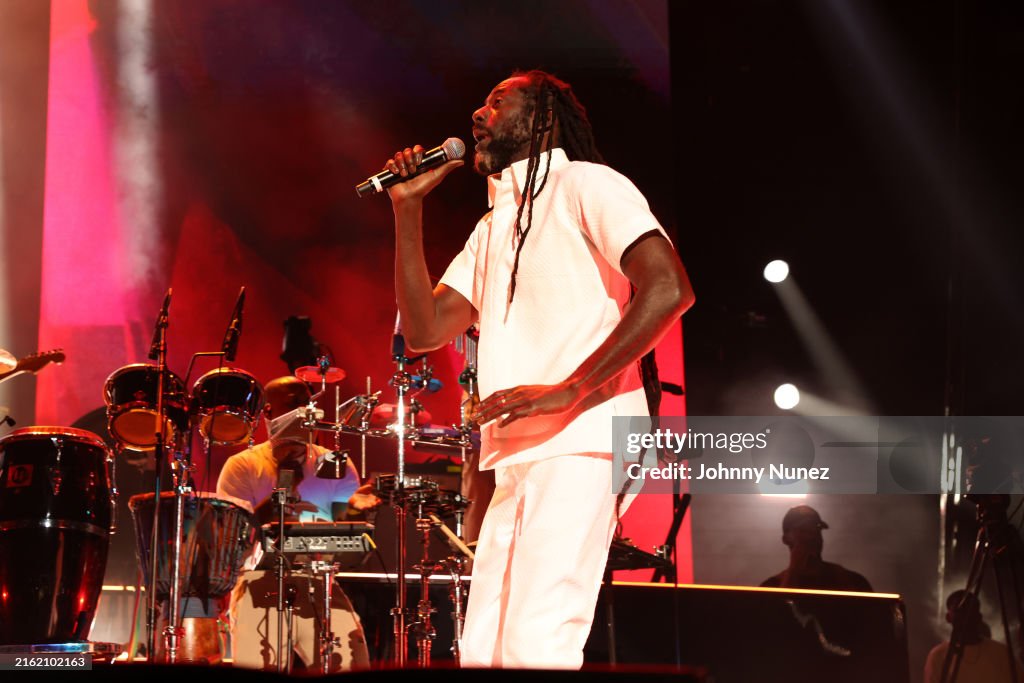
x: 158, y: 352
x: 284, y: 483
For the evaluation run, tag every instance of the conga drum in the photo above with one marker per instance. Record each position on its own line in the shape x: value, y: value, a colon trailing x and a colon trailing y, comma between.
x: 55, y: 517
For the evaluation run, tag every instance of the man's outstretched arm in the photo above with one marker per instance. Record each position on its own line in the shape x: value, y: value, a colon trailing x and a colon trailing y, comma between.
x: 430, y: 317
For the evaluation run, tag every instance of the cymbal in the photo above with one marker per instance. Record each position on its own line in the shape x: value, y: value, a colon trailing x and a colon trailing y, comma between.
x: 7, y: 361
x: 311, y: 374
x: 387, y: 413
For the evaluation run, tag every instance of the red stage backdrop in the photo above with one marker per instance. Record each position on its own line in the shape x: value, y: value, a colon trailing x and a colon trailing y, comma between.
x: 209, y: 146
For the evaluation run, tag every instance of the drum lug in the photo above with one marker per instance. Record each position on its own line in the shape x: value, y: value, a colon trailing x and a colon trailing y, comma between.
x: 112, y: 484
x: 55, y: 479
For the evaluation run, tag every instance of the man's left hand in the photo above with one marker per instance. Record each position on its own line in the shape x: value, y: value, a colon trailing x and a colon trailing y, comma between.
x: 363, y: 498
x: 527, y: 401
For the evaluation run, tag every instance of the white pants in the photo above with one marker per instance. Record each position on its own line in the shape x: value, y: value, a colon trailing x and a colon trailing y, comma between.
x: 539, y: 563
x: 254, y: 624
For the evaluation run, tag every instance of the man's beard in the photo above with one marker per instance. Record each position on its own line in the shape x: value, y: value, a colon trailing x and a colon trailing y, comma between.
x: 501, y: 148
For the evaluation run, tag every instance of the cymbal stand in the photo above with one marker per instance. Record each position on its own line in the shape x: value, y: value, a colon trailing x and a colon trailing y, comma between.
x: 425, y: 631
x: 401, y: 380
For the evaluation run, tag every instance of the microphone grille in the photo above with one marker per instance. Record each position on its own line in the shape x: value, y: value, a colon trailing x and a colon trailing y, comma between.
x: 454, y: 148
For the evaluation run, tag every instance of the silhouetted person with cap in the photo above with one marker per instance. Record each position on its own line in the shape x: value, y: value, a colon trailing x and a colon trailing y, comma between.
x: 801, y: 532
x: 984, y: 660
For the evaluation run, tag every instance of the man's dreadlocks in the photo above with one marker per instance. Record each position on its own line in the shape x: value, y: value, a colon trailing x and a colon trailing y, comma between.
x: 554, y: 103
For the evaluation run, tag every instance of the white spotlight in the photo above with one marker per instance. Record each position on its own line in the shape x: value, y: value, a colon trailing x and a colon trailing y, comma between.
x: 787, y: 396
x: 776, y: 271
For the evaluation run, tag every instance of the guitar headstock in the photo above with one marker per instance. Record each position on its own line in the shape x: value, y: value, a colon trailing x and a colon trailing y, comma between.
x: 37, y: 361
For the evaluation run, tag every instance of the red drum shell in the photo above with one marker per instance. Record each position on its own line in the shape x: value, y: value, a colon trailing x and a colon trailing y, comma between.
x: 55, y: 516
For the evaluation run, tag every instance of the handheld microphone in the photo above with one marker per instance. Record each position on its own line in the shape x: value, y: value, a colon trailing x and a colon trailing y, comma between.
x: 453, y: 148
x: 161, y: 324
x: 234, y: 331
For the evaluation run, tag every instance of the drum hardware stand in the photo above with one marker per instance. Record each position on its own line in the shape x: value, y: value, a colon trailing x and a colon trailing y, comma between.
x: 466, y: 344
x: 364, y: 424
x: 327, y: 640
x: 401, y: 380
x: 455, y: 565
x: 158, y: 352
x: 424, y: 629
x: 284, y: 485
x: 181, y: 471
x: 289, y: 601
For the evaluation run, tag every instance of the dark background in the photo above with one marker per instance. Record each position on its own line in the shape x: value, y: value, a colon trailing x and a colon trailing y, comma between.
x: 875, y: 147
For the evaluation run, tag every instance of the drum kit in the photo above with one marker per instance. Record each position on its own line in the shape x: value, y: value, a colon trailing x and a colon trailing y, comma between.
x: 418, y: 498
x: 58, y: 495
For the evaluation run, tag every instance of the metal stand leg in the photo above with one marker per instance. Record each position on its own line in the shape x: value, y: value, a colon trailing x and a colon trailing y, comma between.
x: 290, y: 596
x: 456, y: 566
x: 327, y: 640
x: 281, y: 492
x: 998, y: 545
x: 425, y: 631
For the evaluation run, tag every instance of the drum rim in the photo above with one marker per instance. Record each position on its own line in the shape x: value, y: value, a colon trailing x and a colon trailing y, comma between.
x: 76, y: 434
x: 140, y: 407
x: 177, y: 388
x: 60, y: 524
x: 138, y: 498
x: 136, y: 366
x: 209, y: 415
x: 226, y: 370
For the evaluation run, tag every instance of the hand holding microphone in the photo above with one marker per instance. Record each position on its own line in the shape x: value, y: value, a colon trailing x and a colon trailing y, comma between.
x: 413, y: 172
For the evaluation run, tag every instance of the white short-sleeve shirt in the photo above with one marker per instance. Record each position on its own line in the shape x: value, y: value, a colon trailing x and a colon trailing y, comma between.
x: 570, y: 294
x: 251, y: 475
